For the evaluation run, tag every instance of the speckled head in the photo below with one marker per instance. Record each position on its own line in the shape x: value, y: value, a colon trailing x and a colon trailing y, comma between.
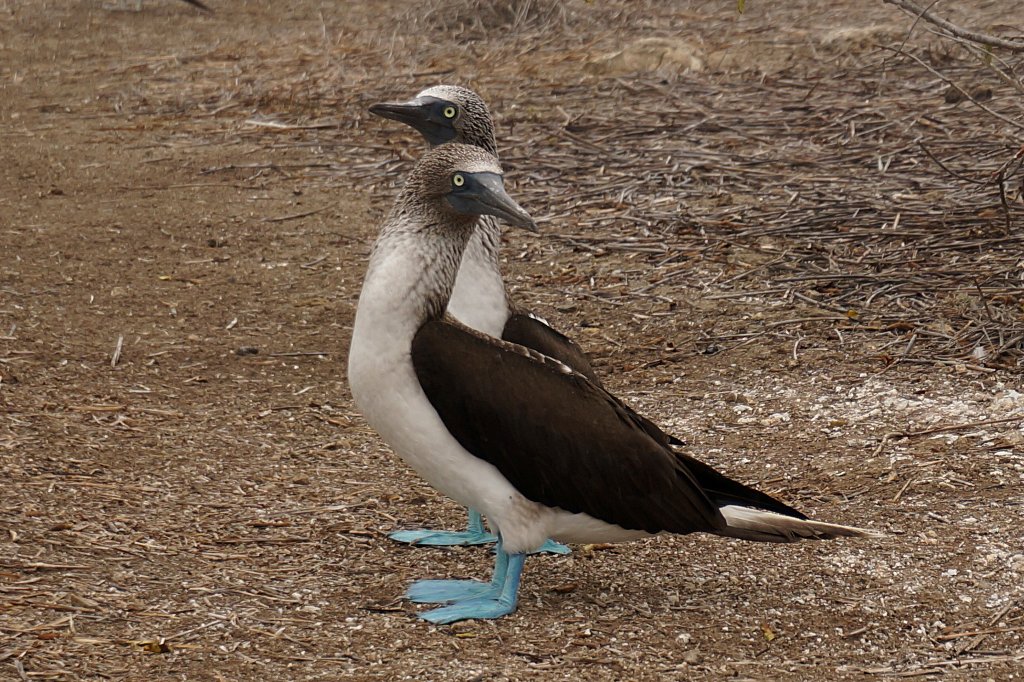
x: 445, y: 113
x: 464, y: 180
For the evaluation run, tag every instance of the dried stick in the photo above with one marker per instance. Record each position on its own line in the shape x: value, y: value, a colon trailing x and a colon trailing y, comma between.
x: 953, y: 29
x: 117, y: 351
x: 964, y: 92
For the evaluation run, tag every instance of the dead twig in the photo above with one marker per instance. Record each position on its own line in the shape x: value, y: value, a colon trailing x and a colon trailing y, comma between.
x: 117, y: 351
x: 942, y: 429
x: 954, y: 30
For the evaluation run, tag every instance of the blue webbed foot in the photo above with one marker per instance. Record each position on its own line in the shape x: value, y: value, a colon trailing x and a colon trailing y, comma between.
x: 552, y: 547
x: 471, y: 608
x: 501, y: 596
x: 475, y: 534
x: 441, y: 538
x: 444, y: 591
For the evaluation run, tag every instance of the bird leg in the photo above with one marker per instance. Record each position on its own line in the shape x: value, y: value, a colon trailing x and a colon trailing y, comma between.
x: 493, y: 604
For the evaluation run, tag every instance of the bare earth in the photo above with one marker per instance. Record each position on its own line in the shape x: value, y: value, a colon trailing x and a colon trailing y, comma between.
x: 186, y: 206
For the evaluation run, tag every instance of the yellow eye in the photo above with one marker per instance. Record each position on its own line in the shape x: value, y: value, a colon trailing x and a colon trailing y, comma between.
x: 458, y: 180
x: 449, y: 112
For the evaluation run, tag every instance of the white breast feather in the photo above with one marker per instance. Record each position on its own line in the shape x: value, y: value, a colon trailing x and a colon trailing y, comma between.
x: 478, y: 299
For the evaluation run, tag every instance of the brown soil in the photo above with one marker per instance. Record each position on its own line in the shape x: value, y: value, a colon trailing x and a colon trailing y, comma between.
x: 186, y: 204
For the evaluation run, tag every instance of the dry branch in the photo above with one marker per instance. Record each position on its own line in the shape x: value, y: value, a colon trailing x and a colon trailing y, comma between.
x: 954, y: 30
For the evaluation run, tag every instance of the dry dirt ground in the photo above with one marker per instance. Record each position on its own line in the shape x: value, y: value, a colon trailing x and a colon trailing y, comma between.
x: 186, y: 206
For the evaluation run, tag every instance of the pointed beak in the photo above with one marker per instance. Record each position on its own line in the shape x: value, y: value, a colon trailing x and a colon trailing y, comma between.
x: 494, y: 198
x: 417, y: 113
x: 489, y: 197
x: 411, y: 113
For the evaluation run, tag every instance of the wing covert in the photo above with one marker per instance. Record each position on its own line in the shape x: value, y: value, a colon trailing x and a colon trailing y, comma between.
x: 556, y: 436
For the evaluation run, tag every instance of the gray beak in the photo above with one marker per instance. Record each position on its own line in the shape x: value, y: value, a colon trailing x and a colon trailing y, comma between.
x: 419, y: 114
x: 485, y: 194
x: 411, y: 113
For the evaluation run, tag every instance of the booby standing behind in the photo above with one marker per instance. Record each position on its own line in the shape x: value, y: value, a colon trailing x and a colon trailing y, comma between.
x: 539, y: 448
x: 449, y: 113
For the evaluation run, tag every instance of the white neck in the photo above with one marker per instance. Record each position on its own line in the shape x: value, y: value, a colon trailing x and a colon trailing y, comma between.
x: 479, y: 299
x: 409, y: 278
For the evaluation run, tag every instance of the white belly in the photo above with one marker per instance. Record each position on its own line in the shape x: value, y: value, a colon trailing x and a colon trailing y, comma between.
x: 568, y: 527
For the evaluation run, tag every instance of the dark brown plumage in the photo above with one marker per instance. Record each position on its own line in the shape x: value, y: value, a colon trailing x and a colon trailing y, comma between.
x: 568, y: 443
x: 526, y: 330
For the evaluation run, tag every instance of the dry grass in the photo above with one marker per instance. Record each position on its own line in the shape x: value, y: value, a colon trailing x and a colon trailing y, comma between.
x: 474, y: 19
x: 801, y: 264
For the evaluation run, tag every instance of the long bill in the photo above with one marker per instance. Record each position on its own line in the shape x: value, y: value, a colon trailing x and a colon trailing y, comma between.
x: 488, y: 197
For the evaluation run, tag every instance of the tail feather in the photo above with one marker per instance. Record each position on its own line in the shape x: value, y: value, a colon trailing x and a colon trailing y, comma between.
x: 747, y: 523
x: 724, y: 491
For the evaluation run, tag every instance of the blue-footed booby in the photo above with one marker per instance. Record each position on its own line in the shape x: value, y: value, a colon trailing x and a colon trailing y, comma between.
x: 540, y: 448
x: 450, y: 113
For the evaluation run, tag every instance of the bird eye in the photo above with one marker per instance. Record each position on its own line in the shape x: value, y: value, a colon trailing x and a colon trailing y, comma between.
x: 458, y: 180
x: 450, y: 111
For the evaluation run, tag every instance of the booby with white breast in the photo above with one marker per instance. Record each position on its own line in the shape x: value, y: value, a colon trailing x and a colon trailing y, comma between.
x: 538, y: 447
x: 450, y: 113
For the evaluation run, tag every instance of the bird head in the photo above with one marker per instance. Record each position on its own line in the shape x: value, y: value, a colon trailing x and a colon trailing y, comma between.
x: 468, y: 181
x: 444, y: 113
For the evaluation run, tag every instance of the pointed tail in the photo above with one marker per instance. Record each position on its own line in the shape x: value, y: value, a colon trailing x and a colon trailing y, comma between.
x: 753, y: 515
x: 748, y: 523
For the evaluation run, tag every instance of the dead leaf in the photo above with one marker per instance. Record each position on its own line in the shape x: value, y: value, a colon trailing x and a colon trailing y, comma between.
x: 153, y: 646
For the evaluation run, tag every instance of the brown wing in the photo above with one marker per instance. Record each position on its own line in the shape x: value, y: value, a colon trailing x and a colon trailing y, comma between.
x: 526, y: 330
x: 557, y: 437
